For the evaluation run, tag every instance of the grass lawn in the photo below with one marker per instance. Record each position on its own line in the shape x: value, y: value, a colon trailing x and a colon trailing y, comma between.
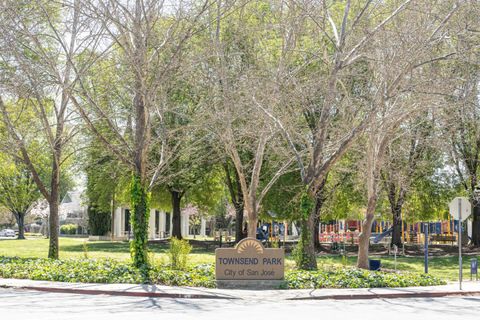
x: 444, y: 267
x: 74, y: 248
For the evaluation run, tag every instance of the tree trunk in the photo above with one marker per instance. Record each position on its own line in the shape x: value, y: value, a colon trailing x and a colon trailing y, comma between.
x: 139, y: 221
x: 112, y: 225
x: 252, y: 226
x: 364, y: 237
x: 476, y: 224
x: 54, y: 201
x: 309, y: 262
x: 252, y: 216
x: 306, y: 245
x: 236, y: 195
x: 53, y: 229
x: 239, y: 223
x: 397, y: 227
x: 139, y: 197
x: 316, y: 231
x: 176, y: 217
x: 396, y: 204
x: 319, y: 201
x: 20, y: 217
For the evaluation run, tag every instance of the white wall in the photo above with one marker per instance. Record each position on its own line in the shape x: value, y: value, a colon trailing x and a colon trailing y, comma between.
x: 151, y: 224
x: 119, y: 224
x: 203, y: 227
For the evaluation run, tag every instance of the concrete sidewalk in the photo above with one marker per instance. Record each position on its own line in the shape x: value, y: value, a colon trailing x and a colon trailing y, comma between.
x: 158, y: 291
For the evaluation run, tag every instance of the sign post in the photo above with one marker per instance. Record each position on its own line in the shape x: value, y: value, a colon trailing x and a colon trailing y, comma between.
x: 426, y: 246
x: 460, y: 269
x: 460, y: 209
x: 395, y: 250
x: 474, y: 269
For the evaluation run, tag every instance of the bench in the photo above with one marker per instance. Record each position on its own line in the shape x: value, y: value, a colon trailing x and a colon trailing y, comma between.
x: 225, y: 235
x: 443, y: 238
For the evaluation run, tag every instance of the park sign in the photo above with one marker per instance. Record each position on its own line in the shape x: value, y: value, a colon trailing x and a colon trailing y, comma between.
x: 249, y: 260
x: 460, y: 207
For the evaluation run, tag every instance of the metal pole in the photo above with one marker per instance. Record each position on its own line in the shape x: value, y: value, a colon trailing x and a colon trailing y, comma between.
x: 426, y: 247
x: 460, y: 243
x: 395, y: 248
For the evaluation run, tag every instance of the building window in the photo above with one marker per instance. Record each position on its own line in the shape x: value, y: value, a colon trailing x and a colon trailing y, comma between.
x: 127, y: 220
x: 167, y: 222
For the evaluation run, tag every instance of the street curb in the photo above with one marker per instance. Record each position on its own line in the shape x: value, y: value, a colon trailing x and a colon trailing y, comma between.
x: 390, y: 295
x: 353, y: 296
x: 121, y: 293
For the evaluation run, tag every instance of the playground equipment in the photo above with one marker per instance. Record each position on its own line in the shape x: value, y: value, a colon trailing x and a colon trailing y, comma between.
x: 347, y: 231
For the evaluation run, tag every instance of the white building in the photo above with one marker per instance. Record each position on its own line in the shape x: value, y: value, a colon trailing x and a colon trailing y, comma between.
x: 159, y: 225
x: 72, y: 210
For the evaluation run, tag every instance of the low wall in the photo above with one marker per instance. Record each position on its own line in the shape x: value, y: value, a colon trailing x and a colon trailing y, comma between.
x: 99, y: 238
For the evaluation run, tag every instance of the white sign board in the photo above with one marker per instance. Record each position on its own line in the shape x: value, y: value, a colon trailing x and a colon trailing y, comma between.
x: 460, y: 203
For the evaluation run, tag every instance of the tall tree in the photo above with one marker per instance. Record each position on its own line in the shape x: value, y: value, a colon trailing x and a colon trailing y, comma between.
x: 239, y: 76
x: 329, y: 87
x: 402, y: 72
x: 464, y: 137
x: 35, y: 58
x: 236, y: 198
x: 142, y: 43
x: 461, y: 121
x: 18, y: 191
x: 407, y: 161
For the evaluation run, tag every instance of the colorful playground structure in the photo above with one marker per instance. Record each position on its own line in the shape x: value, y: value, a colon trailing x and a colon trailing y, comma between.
x: 440, y: 232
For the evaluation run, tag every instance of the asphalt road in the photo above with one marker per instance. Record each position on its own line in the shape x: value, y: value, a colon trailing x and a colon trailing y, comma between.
x: 22, y: 304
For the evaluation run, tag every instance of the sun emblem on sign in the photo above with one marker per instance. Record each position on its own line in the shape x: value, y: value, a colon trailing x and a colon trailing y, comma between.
x: 249, y: 245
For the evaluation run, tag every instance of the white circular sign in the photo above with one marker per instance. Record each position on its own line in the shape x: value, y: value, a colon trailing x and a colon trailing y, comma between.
x: 463, y: 204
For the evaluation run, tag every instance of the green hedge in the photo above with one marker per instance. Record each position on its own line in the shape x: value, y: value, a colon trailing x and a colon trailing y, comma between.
x: 103, y: 271
x: 68, y: 229
x: 356, y: 278
x: 99, y: 222
x: 113, y: 271
x: 69, y: 270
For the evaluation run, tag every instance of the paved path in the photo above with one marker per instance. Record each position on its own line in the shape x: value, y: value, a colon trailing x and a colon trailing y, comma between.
x: 469, y: 288
x: 26, y: 304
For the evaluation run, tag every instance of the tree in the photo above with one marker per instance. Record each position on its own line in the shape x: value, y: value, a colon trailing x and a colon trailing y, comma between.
x: 144, y: 43
x: 236, y: 198
x: 237, y: 78
x: 400, y: 76
x: 39, y: 74
x: 328, y: 87
x: 461, y: 120
x: 197, y: 184
x: 18, y: 192
x: 465, y: 145
x: 408, y: 159
x: 107, y: 180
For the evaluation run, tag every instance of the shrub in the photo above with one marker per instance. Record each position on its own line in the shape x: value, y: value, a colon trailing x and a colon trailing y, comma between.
x: 69, y: 270
x: 68, y: 229
x: 276, y: 244
x: 85, y: 249
x: 112, y: 271
x: 99, y: 222
x: 356, y: 278
x: 197, y: 276
x: 178, y: 253
x: 104, y: 271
